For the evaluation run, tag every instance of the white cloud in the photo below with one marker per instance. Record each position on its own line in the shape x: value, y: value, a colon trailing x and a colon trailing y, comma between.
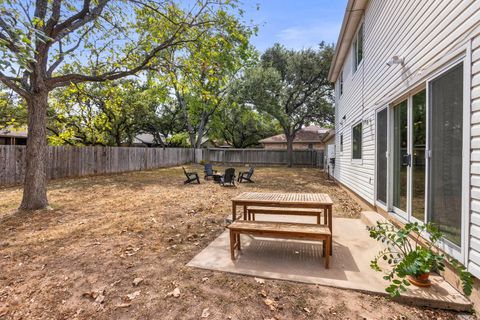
x: 298, y: 37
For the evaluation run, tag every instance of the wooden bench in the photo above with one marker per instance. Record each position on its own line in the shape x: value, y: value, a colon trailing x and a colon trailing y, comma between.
x: 283, y: 230
x: 251, y: 211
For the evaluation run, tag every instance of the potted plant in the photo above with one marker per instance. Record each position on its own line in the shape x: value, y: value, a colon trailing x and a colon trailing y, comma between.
x: 410, y: 262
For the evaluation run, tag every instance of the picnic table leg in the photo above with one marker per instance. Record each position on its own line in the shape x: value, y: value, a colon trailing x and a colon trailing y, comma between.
x: 328, y: 253
x: 239, y: 247
x: 234, y: 211
x: 232, y: 244
x: 245, y: 212
x: 330, y: 224
x: 325, y: 215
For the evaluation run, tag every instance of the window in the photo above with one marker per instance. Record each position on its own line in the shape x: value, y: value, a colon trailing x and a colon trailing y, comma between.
x: 310, y: 146
x: 357, y: 141
x: 341, y: 143
x: 358, y: 48
x: 341, y: 83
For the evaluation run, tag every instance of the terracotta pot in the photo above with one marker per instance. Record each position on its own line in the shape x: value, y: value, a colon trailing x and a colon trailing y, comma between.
x: 421, y: 280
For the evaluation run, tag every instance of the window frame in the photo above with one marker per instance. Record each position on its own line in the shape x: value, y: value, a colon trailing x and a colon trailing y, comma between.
x: 359, y: 123
x: 340, y: 84
x: 341, y: 144
x: 356, y: 62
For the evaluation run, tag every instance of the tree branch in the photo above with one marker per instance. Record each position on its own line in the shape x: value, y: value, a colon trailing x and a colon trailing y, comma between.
x: 78, y: 20
x: 11, y: 83
x: 77, y: 78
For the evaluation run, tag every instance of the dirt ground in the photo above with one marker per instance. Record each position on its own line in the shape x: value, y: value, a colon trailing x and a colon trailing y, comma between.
x: 115, y: 247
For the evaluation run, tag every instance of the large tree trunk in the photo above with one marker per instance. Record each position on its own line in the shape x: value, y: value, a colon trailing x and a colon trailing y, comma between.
x: 290, y: 149
x: 35, y: 184
x: 200, y: 131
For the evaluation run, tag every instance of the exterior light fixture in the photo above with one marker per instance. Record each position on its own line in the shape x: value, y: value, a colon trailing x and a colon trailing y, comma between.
x: 395, y: 60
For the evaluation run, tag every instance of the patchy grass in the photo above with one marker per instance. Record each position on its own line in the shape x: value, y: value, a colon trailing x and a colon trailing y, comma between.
x: 78, y: 261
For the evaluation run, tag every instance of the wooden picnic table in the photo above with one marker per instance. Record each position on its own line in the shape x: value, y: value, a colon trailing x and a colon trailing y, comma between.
x: 285, y: 200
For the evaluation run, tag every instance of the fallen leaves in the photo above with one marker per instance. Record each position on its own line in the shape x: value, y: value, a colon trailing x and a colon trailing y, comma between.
x: 133, y: 295
x: 97, y: 296
x: 205, y: 313
x: 272, y: 304
x: 175, y: 293
x: 137, y: 281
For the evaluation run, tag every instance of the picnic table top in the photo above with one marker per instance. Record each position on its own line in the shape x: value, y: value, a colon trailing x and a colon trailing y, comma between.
x: 291, y: 198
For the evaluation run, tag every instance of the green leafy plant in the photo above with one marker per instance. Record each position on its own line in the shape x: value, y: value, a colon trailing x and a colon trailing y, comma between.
x: 406, y: 257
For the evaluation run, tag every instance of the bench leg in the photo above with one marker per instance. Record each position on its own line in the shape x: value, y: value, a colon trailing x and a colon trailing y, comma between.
x: 327, y: 252
x: 323, y: 247
x: 232, y: 244
x: 239, y: 247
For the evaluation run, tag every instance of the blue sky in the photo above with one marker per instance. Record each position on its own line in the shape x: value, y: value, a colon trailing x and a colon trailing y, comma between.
x: 296, y: 24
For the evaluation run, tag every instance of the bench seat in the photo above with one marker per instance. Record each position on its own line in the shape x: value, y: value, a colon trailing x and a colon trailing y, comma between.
x: 284, y: 230
x: 251, y: 211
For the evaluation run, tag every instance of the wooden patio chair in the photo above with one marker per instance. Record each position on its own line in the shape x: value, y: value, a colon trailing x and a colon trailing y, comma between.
x: 228, y: 178
x: 247, y: 176
x: 191, y: 177
x: 208, y: 170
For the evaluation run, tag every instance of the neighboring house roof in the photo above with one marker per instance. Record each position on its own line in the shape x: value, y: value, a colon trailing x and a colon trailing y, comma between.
x: 351, y: 20
x: 306, y: 135
x: 14, y: 133
x: 329, y: 135
x: 145, y: 138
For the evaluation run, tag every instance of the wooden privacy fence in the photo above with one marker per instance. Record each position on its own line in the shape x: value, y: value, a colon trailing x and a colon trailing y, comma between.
x: 309, y: 158
x: 66, y: 161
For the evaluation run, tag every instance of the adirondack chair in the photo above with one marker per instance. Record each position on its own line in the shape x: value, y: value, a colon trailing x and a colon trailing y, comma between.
x: 228, y: 177
x: 191, y: 177
x: 209, y: 172
x: 246, y: 176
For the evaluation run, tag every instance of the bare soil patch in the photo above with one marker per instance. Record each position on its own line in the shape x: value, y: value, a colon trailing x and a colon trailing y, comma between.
x: 115, y: 247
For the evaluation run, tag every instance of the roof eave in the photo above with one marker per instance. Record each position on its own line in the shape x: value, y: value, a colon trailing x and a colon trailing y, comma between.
x: 351, y: 20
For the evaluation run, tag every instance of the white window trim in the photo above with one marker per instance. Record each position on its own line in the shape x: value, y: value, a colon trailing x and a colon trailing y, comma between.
x: 341, y: 84
x: 356, y: 160
x: 356, y: 66
x: 383, y: 206
x: 341, y: 144
x: 459, y: 253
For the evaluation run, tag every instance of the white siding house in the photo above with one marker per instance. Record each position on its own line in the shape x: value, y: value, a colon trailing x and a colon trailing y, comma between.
x: 407, y: 114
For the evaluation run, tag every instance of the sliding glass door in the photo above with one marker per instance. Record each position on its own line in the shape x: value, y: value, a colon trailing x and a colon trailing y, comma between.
x: 381, y: 150
x: 408, y: 157
x: 425, y: 167
x: 419, y: 139
x: 400, y: 157
x: 446, y: 143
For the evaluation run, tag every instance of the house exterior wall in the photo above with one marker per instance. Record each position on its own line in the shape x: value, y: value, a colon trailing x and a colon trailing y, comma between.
x: 430, y: 36
x: 474, y: 252
x: 296, y: 146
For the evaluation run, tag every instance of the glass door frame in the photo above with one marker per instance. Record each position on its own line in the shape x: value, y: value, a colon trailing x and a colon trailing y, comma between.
x: 378, y: 203
x: 459, y: 253
x: 405, y: 216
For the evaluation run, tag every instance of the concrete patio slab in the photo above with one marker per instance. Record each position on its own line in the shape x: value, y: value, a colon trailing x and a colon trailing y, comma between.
x: 302, y: 261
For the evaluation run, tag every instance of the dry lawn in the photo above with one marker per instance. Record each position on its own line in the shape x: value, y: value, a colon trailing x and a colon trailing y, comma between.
x: 79, y: 260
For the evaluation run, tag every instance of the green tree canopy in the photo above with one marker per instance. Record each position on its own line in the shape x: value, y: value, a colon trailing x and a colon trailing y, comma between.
x: 293, y: 87
x: 46, y: 45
